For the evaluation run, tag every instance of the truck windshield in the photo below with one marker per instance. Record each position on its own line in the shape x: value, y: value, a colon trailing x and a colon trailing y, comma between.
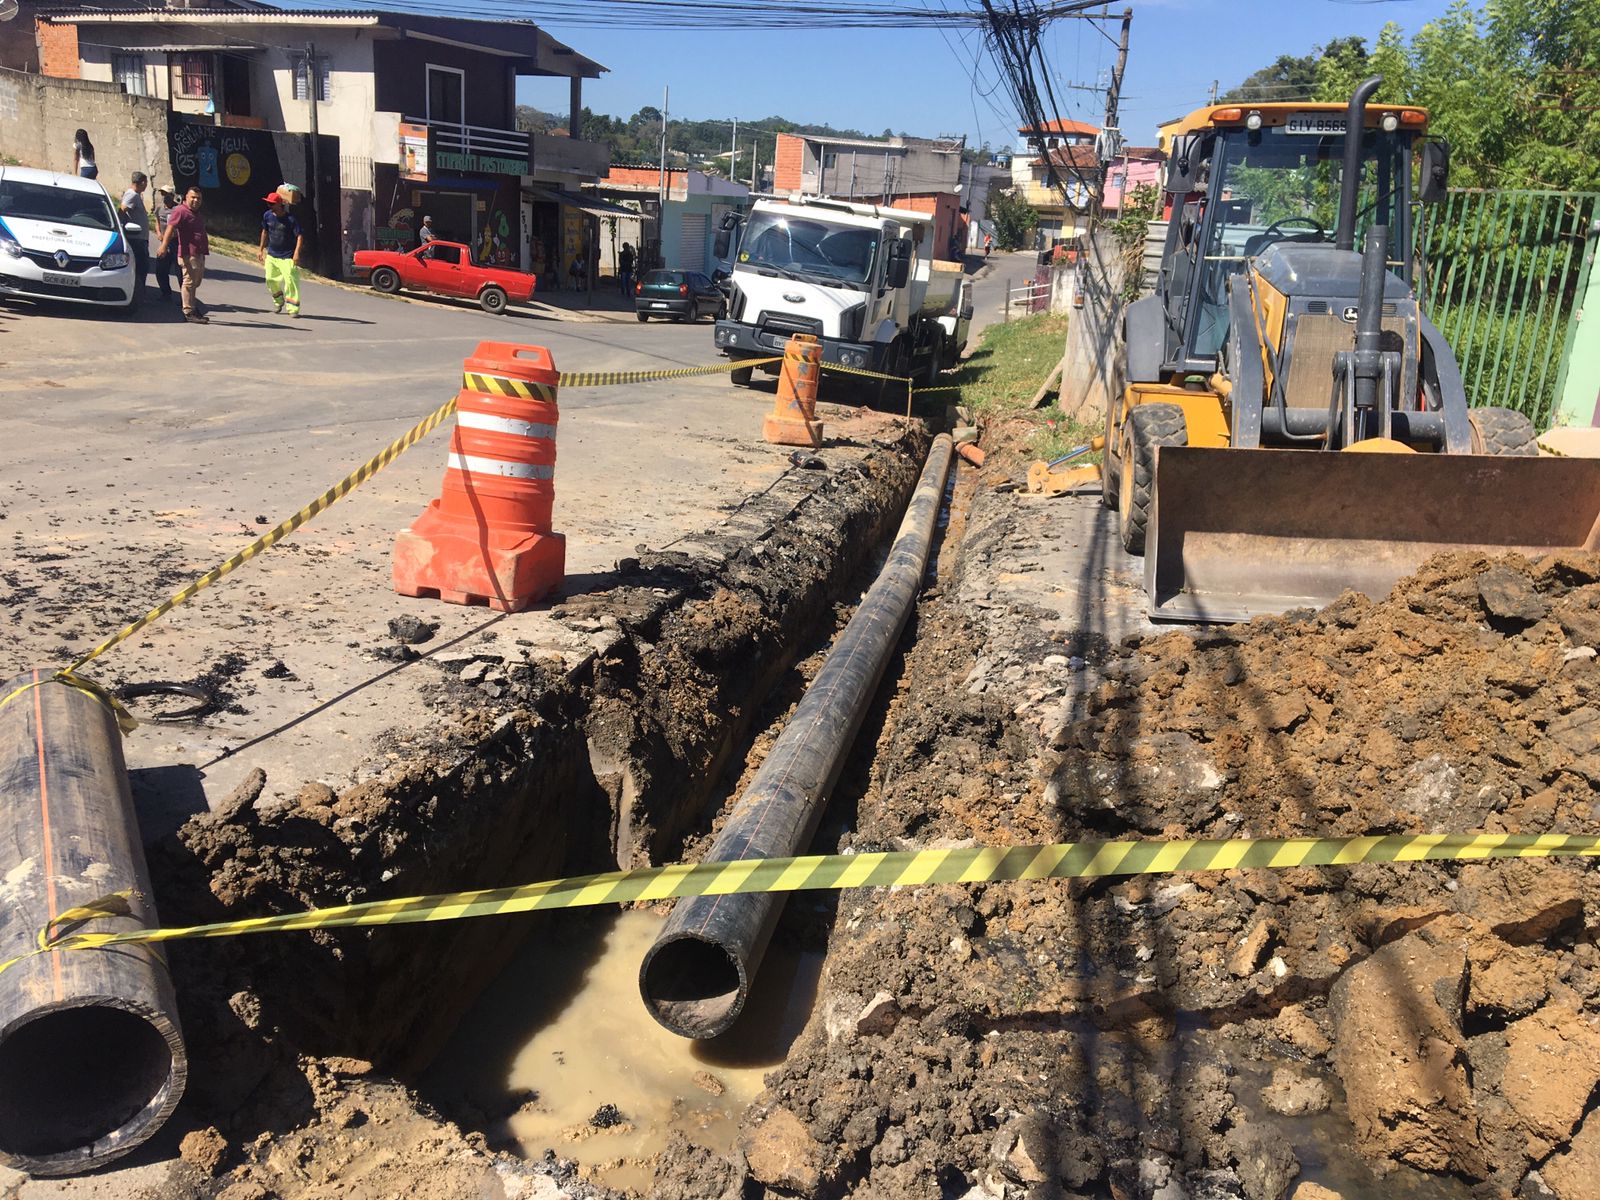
x: 1272, y: 186
x: 830, y: 254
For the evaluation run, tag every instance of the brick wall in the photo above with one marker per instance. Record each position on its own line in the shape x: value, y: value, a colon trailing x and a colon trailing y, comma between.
x: 787, y: 163
x: 38, y: 115
x: 58, y: 50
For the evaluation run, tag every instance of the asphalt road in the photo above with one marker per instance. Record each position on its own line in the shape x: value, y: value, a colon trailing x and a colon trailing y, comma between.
x: 144, y: 450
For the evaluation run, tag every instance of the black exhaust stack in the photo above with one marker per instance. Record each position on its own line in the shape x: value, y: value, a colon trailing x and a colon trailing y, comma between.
x: 1350, y: 176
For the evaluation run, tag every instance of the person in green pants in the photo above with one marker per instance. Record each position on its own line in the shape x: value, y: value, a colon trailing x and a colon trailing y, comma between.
x: 281, y: 243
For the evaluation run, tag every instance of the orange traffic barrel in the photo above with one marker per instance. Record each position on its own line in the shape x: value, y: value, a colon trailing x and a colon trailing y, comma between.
x: 793, y: 419
x: 487, y: 538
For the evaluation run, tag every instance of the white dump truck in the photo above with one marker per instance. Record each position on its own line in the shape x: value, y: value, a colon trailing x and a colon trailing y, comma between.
x: 860, y: 277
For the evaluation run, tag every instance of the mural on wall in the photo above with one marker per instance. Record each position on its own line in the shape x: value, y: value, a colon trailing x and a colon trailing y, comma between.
x: 496, y: 248
x: 574, y: 226
x: 400, y: 231
x: 235, y: 167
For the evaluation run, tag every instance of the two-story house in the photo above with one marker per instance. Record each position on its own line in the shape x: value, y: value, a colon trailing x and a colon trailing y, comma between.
x: 1063, y: 151
x: 920, y: 174
x: 423, y: 107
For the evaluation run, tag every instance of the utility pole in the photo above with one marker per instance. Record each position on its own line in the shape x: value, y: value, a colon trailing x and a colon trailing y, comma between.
x: 316, y: 140
x: 733, y: 152
x: 661, y: 210
x: 1113, y: 97
x: 1213, y: 99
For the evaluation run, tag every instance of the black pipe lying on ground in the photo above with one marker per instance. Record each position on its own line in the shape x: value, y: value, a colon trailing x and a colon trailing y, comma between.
x: 697, y: 975
x: 91, y: 1058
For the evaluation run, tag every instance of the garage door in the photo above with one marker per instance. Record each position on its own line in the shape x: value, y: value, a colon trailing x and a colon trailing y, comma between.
x: 692, y: 247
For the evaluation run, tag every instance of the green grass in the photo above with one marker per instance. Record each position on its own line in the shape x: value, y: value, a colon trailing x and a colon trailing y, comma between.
x: 1001, y: 378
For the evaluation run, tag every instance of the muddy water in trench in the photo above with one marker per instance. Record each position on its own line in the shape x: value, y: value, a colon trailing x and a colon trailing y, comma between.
x: 565, y: 1021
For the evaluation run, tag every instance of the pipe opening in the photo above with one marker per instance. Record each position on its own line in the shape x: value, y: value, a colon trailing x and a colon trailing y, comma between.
x: 692, y: 986
x: 74, y: 1076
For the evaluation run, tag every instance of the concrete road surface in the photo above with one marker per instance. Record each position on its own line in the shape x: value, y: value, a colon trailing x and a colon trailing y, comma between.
x: 142, y: 451
x: 1002, y: 273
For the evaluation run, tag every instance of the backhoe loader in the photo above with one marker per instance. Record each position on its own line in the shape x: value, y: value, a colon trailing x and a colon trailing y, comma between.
x: 1291, y: 424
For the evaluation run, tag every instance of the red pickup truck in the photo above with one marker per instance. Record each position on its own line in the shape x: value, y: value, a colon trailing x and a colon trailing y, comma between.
x: 446, y: 269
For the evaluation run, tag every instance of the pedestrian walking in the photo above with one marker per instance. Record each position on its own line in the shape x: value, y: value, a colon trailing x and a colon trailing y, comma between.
x: 135, y: 213
x: 83, y: 156
x: 625, y: 262
x: 186, y: 232
x: 166, y: 261
x: 426, y: 233
x: 988, y: 244
x: 281, y: 243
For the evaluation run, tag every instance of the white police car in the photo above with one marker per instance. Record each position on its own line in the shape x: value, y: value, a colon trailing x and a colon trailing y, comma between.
x: 61, y: 238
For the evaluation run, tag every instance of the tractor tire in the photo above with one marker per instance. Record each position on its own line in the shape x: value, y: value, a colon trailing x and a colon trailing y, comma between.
x: 386, y: 279
x: 1110, y: 460
x: 741, y: 376
x: 1501, y: 431
x: 1148, y: 428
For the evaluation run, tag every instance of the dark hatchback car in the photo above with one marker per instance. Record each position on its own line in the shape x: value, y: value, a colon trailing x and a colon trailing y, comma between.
x: 681, y: 295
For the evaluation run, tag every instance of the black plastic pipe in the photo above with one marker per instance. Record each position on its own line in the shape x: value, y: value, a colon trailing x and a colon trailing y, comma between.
x: 1355, y: 128
x: 696, y: 977
x: 92, y: 1061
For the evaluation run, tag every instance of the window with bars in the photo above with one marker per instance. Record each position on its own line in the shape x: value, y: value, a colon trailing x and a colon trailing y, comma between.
x: 128, y: 70
x: 195, y: 74
x: 302, y: 84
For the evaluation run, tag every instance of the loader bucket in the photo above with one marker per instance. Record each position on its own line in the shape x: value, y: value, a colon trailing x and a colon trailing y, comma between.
x: 1234, y: 534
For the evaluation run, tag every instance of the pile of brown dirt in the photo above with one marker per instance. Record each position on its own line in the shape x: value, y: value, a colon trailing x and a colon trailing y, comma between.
x: 1420, y: 1030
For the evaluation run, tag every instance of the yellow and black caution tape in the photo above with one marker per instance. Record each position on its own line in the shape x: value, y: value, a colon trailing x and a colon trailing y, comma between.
x: 278, y: 532
x: 910, y: 868
x: 125, y: 720
x: 589, y: 379
x: 501, y: 385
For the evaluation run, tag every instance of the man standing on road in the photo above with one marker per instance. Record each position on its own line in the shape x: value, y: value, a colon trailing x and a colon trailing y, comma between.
x: 134, y: 213
x: 187, y: 229
x: 625, y: 268
x: 166, y: 260
x: 281, y: 243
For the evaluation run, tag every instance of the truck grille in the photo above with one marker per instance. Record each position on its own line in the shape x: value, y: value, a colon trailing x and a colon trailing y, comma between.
x: 775, y: 328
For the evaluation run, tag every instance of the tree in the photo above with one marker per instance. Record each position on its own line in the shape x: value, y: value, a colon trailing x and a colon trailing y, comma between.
x: 1014, y: 219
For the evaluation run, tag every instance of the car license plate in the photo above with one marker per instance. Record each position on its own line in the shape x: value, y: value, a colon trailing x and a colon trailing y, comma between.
x: 1315, y: 124
x: 658, y: 304
x: 64, y: 280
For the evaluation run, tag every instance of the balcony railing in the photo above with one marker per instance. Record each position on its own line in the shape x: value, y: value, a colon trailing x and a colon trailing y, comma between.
x: 478, y: 148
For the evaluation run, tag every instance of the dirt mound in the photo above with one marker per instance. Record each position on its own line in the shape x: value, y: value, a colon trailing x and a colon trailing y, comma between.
x: 1419, y: 1030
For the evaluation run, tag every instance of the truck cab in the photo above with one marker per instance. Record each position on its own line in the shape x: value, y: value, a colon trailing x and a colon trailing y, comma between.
x: 861, y: 278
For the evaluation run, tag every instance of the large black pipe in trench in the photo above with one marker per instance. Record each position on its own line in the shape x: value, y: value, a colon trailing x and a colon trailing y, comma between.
x: 696, y: 976
x: 92, y: 1061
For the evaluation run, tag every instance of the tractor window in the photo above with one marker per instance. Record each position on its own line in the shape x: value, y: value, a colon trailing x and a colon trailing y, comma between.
x: 1270, y: 186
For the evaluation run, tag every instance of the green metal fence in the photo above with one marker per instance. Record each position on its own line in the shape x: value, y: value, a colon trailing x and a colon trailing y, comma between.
x: 1504, y: 273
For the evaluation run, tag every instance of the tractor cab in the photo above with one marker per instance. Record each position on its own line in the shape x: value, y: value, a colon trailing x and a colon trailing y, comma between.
x: 1244, y: 179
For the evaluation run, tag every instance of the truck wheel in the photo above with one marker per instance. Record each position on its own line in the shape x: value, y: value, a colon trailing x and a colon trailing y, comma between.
x: 742, y: 375
x: 1148, y: 427
x: 386, y: 279
x: 492, y: 300
x: 1501, y: 431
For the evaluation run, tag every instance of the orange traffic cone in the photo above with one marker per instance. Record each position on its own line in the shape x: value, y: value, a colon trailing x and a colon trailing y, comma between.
x: 793, y: 419
x: 487, y: 538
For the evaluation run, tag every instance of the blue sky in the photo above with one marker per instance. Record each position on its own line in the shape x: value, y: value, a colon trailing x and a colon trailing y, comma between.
x: 918, y: 82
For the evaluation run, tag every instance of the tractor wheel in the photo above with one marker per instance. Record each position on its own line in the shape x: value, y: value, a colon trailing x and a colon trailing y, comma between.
x: 1110, y: 461
x: 386, y: 279
x: 1501, y: 431
x: 1148, y: 428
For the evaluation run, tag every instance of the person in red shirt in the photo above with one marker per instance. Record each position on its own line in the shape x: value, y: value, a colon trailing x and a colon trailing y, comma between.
x: 187, y: 229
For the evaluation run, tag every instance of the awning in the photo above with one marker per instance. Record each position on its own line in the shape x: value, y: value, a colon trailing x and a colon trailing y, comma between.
x: 592, y: 205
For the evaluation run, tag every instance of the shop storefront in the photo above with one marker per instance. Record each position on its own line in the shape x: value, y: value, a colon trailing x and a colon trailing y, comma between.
x: 468, y: 180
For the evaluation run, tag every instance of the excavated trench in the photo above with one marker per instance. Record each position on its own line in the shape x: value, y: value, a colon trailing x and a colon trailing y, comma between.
x: 621, y: 760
